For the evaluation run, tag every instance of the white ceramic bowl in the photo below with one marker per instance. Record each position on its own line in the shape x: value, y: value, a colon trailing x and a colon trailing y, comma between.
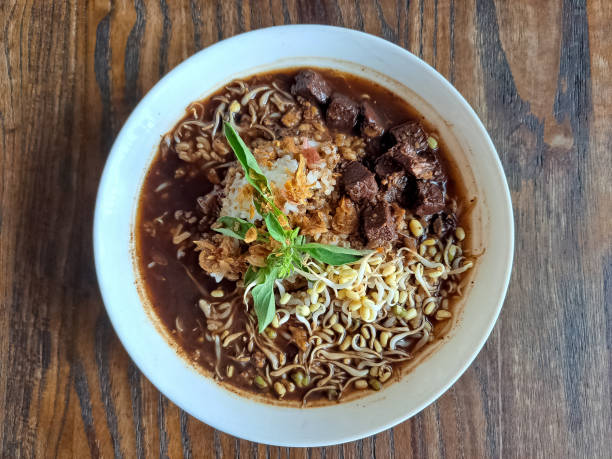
x: 254, y: 52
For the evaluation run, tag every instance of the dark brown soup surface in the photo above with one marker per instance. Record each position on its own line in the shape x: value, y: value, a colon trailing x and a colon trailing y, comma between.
x: 374, y: 176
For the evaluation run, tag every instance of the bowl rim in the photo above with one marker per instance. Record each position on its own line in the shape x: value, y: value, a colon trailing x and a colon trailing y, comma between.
x: 308, y: 28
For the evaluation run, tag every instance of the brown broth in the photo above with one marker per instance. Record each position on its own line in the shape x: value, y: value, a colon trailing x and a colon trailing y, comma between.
x: 168, y: 288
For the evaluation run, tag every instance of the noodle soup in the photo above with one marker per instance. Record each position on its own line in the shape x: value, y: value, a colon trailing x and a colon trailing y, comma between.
x: 300, y: 235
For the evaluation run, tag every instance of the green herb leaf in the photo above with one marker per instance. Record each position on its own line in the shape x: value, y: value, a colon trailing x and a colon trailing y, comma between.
x: 297, y: 261
x: 252, y: 171
x: 332, y: 254
x: 263, y: 299
x: 276, y: 229
x: 259, y: 202
x: 294, y: 234
x: 234, y: 227
x: 250, y: 275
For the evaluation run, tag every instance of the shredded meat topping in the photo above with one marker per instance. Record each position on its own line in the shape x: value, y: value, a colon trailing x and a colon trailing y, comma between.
x: 346, y: 218
x: 221, y: 255
x: 313, y: 224
x: 297, y: 189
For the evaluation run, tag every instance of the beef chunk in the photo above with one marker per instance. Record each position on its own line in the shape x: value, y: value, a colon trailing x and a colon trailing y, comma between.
x: 372, y: 124
x: 423, y: 166
x: 396, y: 159
x: 379, y: 224
x: 430, y: 198
x: 310, y: 85
x: 373, y: 149
x: 411, y: 132
x: 394, y: 189
x: 359, y: 183
x: 387, y: 165
x: 342, y: 112
x: 442, y: 224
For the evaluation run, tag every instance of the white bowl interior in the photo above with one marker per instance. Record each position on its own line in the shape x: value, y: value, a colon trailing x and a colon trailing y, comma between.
x: 292, y: 46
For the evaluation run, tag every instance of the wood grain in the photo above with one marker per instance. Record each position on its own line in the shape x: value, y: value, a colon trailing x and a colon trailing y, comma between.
x: 538, y: 75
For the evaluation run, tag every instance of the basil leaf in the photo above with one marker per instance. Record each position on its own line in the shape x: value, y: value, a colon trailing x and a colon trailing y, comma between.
x: 234, y: 227
x: 332, y: 254
x: 297, y: 262
x: 252, y: 171
x: 263, y: 300
x: 275, y: 229
x: 250, y: 276
x: 294, y: 235
x: 259, y: 204
x: 263, y: 206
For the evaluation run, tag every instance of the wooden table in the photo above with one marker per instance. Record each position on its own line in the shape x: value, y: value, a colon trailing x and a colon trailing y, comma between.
x: 538, y: 75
